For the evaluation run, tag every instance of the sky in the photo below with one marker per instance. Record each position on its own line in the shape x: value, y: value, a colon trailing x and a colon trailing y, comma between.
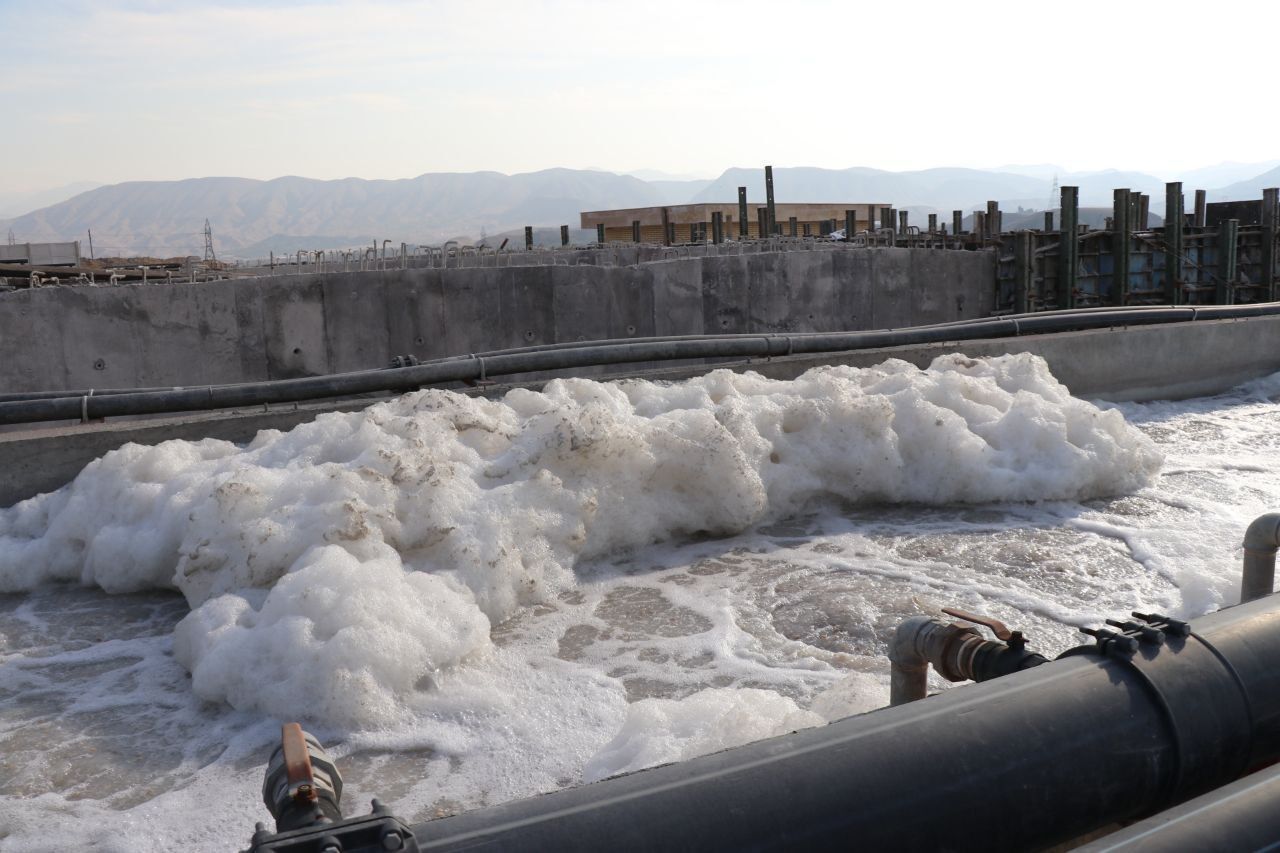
x: 116, y: 91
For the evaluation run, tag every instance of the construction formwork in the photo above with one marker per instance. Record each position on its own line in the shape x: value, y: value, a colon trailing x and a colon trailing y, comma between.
x: 1221, y: 254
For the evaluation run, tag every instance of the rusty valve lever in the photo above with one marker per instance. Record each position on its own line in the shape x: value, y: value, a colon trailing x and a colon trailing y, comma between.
x: 998, y: 628
x: 297, y: 765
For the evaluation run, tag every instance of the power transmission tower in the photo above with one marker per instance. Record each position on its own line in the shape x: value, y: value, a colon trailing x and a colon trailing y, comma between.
x: 13, y: 241
x: 208, y: 243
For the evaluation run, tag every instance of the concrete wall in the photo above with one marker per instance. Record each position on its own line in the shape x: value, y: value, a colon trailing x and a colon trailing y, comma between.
x: 1142, y: 363
x: 41, y: 254
x: 67, y: 338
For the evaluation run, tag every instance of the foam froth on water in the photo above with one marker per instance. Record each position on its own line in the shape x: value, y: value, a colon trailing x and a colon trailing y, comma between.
x: 336, y: 571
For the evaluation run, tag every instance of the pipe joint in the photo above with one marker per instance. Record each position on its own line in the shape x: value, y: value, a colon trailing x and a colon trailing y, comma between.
x: 919, y: 641
x: 957, y: 652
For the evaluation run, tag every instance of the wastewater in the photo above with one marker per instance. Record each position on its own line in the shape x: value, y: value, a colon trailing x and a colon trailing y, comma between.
x: 469, y: 603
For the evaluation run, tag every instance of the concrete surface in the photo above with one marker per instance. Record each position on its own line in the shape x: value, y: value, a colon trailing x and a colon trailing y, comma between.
x: 130, y: 336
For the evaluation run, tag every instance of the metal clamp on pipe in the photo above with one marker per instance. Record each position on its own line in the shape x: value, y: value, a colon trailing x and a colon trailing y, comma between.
x: 958, y: 652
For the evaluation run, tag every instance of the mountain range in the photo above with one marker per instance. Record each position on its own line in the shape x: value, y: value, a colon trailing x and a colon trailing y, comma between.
x: 250, y: 218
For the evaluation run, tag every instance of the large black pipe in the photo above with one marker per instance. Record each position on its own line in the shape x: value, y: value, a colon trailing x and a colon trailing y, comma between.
x: 1242, y: 816
x: 1032, y: 759
x: 766, y: 345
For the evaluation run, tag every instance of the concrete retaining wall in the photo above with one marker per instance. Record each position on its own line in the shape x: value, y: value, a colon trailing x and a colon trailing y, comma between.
x: 62, y: 338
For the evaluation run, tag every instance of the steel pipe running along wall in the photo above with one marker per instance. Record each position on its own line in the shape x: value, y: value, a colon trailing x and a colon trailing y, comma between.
x: 764, y: 345
x: 1029, y: 760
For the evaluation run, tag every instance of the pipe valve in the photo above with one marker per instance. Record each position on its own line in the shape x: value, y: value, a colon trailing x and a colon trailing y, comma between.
x: 957, y: 652
x: 303, y: 792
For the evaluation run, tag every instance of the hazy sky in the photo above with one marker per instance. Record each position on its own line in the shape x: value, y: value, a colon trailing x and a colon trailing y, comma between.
x: 114, y: 91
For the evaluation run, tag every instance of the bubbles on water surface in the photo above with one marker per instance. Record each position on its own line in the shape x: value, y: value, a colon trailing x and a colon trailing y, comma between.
x: 651, y: 654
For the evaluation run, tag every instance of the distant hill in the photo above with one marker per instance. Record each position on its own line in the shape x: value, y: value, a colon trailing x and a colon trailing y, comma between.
x: 939, y: 188
x: 167, y: 217
x: 1094, y: 217
x: 14, y: 203
x: 251, y: 218
x: 1250, y: 189
x: 679, y: 192
x: 943, y: 190
x: 1224, y: 174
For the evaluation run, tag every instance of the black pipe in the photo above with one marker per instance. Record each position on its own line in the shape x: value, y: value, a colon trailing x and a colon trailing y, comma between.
x: 1036, y: 758
x: 767, y: 345
x: 20, y: 396
x: 1242, y: 816
x: 1116, y: 311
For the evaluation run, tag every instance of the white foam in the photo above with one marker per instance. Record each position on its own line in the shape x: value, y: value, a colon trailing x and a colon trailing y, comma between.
x: 327, y: 616
x: 335, y: 571
x: 660, y: 731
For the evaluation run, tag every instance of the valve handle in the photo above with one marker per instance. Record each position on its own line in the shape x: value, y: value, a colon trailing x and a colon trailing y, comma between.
x: 1002, y: 632
x: 297, y: 762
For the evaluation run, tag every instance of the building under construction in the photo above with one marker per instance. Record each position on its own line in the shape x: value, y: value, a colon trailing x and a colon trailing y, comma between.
x: 717, y: 221
x: 695, y: 223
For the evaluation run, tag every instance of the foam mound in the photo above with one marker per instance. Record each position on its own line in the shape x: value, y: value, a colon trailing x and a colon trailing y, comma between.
x: 334, y: 569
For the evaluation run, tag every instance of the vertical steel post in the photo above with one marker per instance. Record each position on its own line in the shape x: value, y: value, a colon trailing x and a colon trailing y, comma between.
x: 1270, y: 203
x: 671, y: 233
x: 933, y: 223
x: 1144, y: 212
x: 635, y: 231
x: 902, y: 221
x: 717, y: 227
x: 791, y: 225
x: 762, y: 222
x: 1226, y: 291
x: 1023, y: 270
x: 528, y: 237
x: 693, y: 232
x: 957, y: 222
x: 1069, y: 247
x: 1122, y: 206
x: 768, y: 199
x: 564, y: 235
x: 1173, y: 242
x: 1201, y: 209
x: 995, y: 227
x: 980, y: 225
x: 1048, y: 221
x: 850, y: 224
x: 744, y: 229
x: 600, y: 233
